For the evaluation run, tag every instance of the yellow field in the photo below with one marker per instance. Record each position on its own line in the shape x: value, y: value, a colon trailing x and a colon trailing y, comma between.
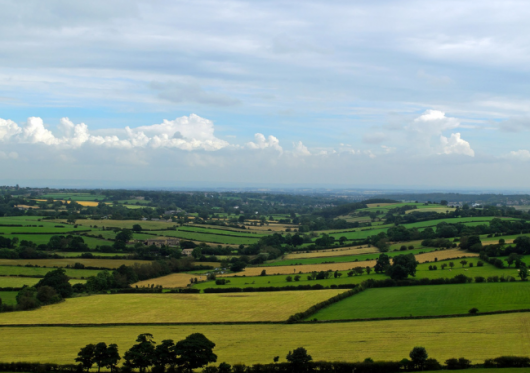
x: 433, y: 209
x: 101, y: 263
x: 352, y: 250
x: 307, y: 268
x: 82, y: 203
x: 160, y: 308
x: 476, y: 338
x: 175, y: 280
x: 495, y: 242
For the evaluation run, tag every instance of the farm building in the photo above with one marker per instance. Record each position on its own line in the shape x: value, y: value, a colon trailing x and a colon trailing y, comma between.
x: 187, y: 252
x: 162, y: 241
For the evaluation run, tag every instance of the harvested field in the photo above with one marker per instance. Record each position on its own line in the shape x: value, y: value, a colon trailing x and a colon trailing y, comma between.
x: 308, y: 268
x: 100, y: 263
x: 343, y: 251
x: 160, y: 308
x: 476, y: 338
x: 175, y: 280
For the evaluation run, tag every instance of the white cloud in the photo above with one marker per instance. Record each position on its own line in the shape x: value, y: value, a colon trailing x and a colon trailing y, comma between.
x: 433, y: 122
x: 185, y: 133
x: 520, y: 155
x: 263, y: 143
x: 456, y: 145
x: 300, y: 150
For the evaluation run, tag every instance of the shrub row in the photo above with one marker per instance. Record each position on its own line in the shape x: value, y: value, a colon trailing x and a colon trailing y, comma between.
x: 10, y: 289
x: 317, y: 307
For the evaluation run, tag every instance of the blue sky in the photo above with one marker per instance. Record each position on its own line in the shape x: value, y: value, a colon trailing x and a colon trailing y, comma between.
x: 342, y: 93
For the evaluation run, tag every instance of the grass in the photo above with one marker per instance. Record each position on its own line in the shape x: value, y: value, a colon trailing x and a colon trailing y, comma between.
x: 99, y: 263
x: 429, y: 301
x: 160, y: 308
x: 96, y: 253
x: 18, y: 282
x: 9, y: 297
x: 475, y: 338
x: 422, y: 272
x: 346, y: 258
x: 75, y: 196
x: 210, y: 230
x: 174, y: 280
x: 353, y: 250
x: 39, y: 271
x: 205, y: 237
x: 123, y: 223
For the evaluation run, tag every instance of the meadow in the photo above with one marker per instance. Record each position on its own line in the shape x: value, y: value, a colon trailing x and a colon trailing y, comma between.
x: 40, y: 271
x: 433, y: 300
x: 9, y: 297
x: 205, y: 237
x: 75, y: 196
x: 172, y: 308
x: 475, y: 338
x: 342, y: 251
x: 422, y: 272
x: 99, y: 263
x: 128, y: 224
x: 18, y: 282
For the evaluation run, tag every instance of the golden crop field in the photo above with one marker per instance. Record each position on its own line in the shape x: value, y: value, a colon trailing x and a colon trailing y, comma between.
x: 174, y: 280
x: 343, y: 251
x: 18, y: 282
x: 308, y: 268
x: 100, y: 263
x: 160, y: 308
x: 475, y: 338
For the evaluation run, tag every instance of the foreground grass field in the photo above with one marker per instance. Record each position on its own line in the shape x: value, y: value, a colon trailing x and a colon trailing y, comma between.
x: 429, y: 301
x: 160, y: 308
x: 475, y: 338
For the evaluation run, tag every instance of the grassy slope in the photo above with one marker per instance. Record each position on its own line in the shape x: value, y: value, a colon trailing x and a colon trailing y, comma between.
x: 159, y: 308
x: 430, y: 301
x: 476, y: 338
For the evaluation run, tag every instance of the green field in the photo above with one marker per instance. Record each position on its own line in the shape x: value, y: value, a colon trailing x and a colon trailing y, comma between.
x: 205, y: 237
x: 431, y: 300
x: 223, y: 232
x: 475, y: 338
x: 9, y: 297
x: 39, y: 271
x: 422, y: 272
x: 74, y: 196
x: 160, y: 308
x: 342, y: 259
x: 18, y: 282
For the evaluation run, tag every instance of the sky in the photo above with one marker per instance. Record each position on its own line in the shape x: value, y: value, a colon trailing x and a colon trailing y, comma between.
x: 156, y: 93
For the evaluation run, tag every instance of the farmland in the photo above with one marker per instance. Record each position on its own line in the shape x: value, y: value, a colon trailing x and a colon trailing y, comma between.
x: 443, y: 338
x: 343, y: 251
x: 19, y: 270
x: 99, y: 263
x: 431, y: 300
x: 18, y: 282
x: 174, y: 280
x: 172, y: 308
x: 9, y: 297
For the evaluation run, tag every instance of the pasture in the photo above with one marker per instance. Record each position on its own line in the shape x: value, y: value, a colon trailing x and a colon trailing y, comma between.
x: 475, y: 338
x: 174, y: 280
x: 343, y: 266
x: 18, y: 282
x: 431, y: 300
x: 9, y: 297
x: 40, y: 271
x: 342, y: 251
x: 99, y: 263
x: 128, y: 224
x: 168, y: 308
x: 205, y: 237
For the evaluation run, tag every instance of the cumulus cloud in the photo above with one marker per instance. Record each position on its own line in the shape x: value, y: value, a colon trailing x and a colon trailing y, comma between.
x: 185, y: 133
x: 300, y: 150
x: 456, y: 145
x: 520, y: 155
x: 263, y: 143
x: 433, y: 122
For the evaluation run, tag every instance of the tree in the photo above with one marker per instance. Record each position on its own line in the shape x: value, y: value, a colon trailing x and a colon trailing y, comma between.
x: 368, y: 270
x: 473, y: 311
x: 418, y: 356
x: 299, y: 358
x: 100, y: 355
x: 383, y: 262
x: 47, y: 295
x: 463, y: 262
x: 125, y: 235
x: 165, y: 354
x: 403, y: 265
x: 197, y: 253
x: 85, y: 356
x: 137, y: 228
x: 263, y: 273
x: 451, y: 264
x: 288, y: 279
x: 513, y: 257
x: 141, y: 355
x: 523, y: 272
x: 58, y: 280
x: 112, y: 358
x: 238, y: 266
x: 195, y: 351
x: 358, y: 270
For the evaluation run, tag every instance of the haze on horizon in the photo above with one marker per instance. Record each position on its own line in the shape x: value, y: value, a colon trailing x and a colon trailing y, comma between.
x: 137, y: 92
